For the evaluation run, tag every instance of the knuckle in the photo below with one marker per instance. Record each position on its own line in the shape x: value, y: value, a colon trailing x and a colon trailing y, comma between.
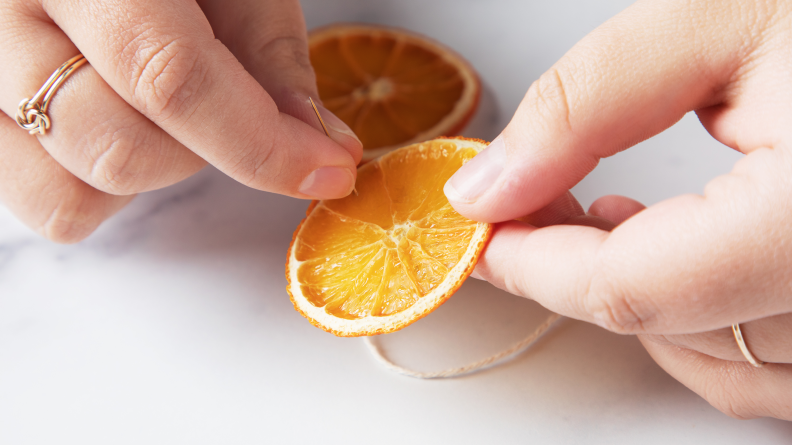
x: 68, y: 223
x: 615, y: 309
x: 110, y: 171
x: 549, y: 99
x: 724, y: 396
x: 285, y: 52
x: 261, y: 165
x: 167, y: 75
x: 734, y: 409
x: 731, y: 389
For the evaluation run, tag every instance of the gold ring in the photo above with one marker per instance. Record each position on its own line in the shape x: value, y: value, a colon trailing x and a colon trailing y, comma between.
x: 756, y: 363
x: 32, y: 113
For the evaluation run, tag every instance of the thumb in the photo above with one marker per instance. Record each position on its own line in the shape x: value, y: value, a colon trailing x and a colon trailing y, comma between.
x: 270, y: 40
x: 628, y: 80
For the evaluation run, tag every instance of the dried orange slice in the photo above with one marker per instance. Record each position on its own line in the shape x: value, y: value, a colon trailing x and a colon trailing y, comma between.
x: 392, y: 87
x: 375, y: 262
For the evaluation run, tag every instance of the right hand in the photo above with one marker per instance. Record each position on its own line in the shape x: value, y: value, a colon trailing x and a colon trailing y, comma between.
x: 678, y: 273
x: 161, y: 98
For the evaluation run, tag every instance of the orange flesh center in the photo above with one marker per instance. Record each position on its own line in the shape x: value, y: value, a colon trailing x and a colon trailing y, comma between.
x: 385, y: 87
x: 377, y: 253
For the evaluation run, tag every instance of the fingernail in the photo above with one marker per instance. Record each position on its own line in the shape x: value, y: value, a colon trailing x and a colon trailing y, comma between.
x: 328, y: 183
x: 475, y: 177
x: 338, y: 129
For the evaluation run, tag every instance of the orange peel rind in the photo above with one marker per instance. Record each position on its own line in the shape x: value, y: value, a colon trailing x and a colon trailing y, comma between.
x: 378, y: 261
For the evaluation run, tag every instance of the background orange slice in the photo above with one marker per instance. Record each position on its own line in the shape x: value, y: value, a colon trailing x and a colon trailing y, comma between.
x: 391, y: 86
x: 375, y: 262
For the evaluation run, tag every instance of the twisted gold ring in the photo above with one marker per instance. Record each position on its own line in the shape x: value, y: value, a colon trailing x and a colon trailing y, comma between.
x: 756, y: 363
x: 32, y: 113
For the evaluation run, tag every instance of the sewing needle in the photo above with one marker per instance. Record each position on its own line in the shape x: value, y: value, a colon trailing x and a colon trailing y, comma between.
x: 324, y: 127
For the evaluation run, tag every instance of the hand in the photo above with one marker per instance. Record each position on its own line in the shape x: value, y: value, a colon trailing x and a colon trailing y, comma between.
x: 160, y: 98
x: 678, y: 273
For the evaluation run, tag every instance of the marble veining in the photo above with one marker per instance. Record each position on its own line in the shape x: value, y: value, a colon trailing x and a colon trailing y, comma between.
x: 171, y: 323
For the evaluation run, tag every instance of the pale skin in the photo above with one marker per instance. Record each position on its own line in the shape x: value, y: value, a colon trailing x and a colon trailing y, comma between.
x: 680, y: 273
x: 151, y: 110
x: 171, y: 86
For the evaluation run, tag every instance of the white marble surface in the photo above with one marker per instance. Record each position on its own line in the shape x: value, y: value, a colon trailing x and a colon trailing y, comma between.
x: 171, y: 324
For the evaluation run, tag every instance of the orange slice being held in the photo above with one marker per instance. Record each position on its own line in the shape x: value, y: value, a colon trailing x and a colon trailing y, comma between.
x: 392, y: 87
x: 375, y: 262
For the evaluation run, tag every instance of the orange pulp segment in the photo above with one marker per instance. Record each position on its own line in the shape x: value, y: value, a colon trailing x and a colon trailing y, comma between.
x: 377, y: 261
x: 392, y: 87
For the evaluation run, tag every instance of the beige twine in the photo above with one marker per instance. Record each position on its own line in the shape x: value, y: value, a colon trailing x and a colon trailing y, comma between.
x: 488, y: 362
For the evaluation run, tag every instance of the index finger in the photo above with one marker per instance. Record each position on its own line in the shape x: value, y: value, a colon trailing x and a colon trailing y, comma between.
x: 163, y: 59
x: 688, y: 264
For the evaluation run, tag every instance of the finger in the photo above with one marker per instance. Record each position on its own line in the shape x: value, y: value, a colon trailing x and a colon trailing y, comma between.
x: 735, y: 388
x: 689, y: 264
x: 558, y: 211
x: 565, y: 210
x: 95, y: 134
x: 270, y: 40
x: 685, y: 265
x: 768, y: 339
x: 43, y: 194
x: 562, y: 210
x: 631, y: 78
x: 615, y: 208
x: 163, y: 59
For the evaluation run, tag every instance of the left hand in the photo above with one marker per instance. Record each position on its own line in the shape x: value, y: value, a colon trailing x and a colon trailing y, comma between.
x: 170, y: 86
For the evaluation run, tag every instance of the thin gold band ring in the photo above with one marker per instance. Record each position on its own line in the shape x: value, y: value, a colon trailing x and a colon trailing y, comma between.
x: 32, y: 113
x: 755, y: 362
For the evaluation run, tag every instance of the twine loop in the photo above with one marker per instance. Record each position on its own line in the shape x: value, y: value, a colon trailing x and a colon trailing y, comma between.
x: 489, y: 362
